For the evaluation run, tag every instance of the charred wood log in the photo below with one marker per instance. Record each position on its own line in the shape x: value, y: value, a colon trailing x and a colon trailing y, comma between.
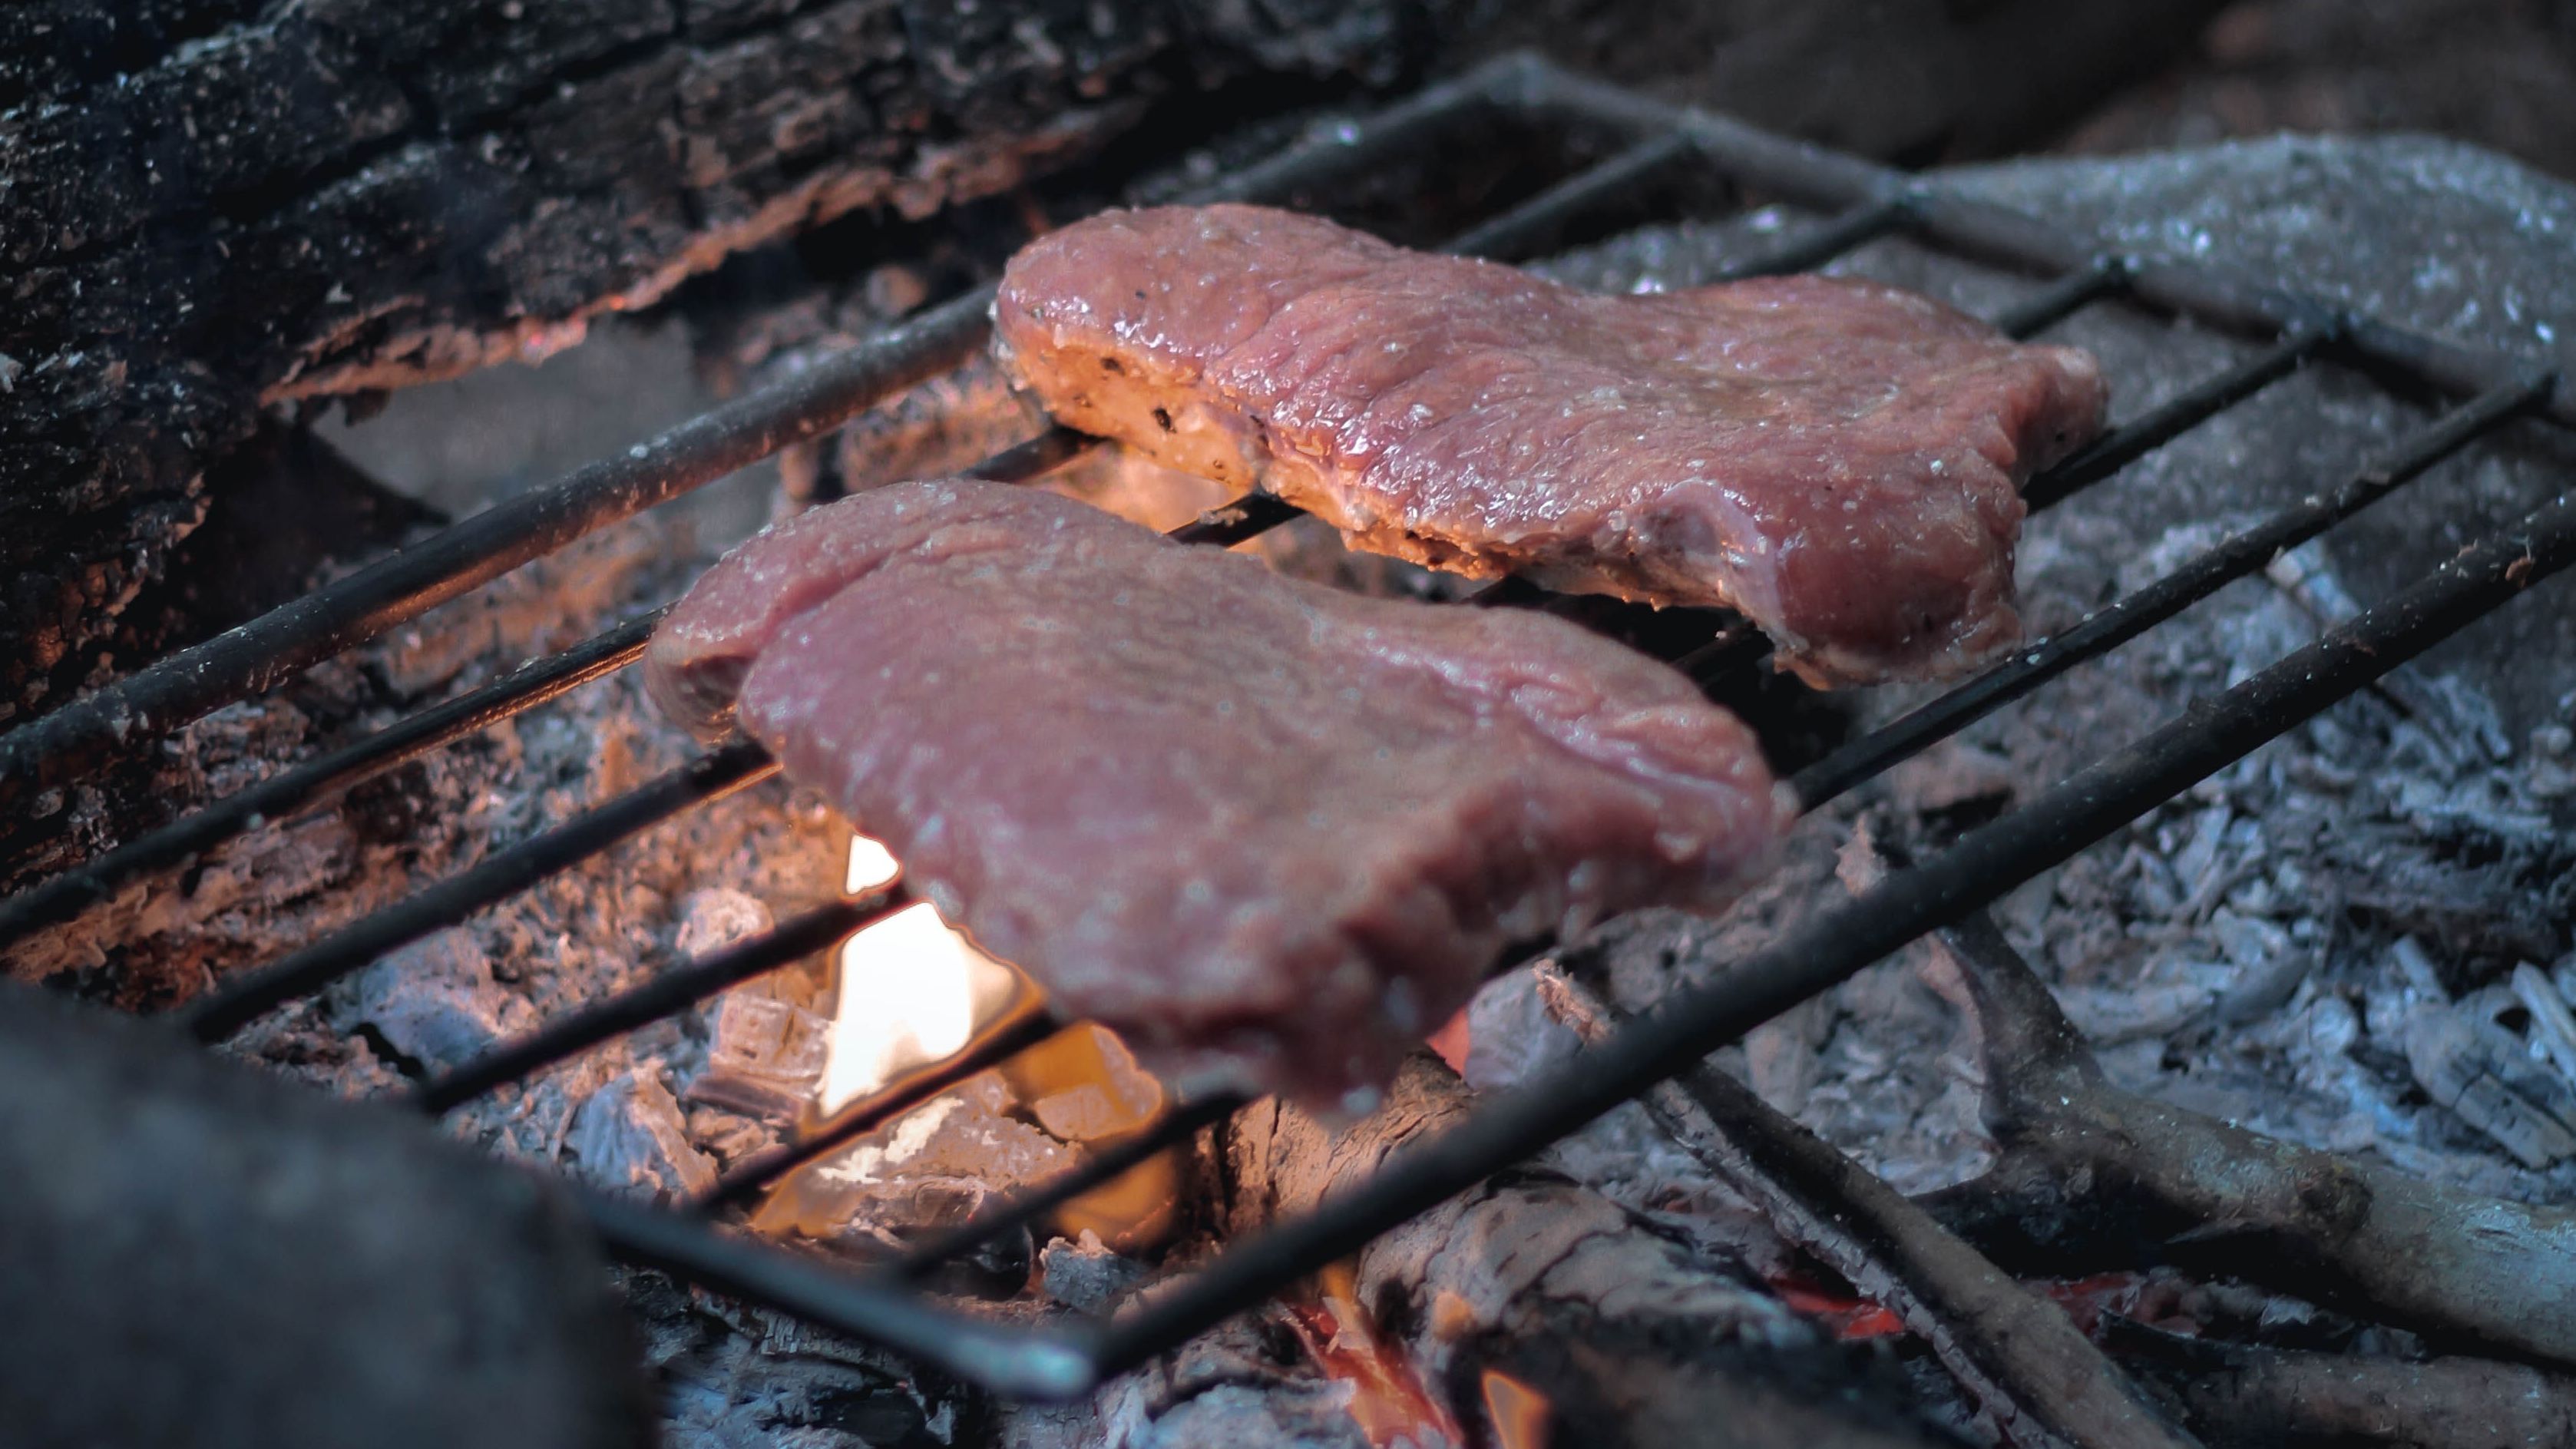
x: 209, y: 206
x: 2266, y: 1398
x: 2024, y: 1362
x: 2090, y: 1175
x: 1629, y: 1337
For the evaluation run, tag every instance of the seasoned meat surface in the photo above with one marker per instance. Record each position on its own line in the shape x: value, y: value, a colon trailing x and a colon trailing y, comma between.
x: 1838, y: 459
x: 1247, y: 821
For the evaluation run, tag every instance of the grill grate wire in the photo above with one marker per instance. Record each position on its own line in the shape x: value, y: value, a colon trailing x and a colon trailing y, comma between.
x: 1864, y: 202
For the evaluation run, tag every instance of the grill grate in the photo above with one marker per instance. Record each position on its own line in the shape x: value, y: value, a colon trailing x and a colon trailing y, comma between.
x: 1865, y: 202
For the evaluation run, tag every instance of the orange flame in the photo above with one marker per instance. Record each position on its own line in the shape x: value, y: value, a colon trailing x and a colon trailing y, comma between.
x: 1521, y: 1416
x: 1390, y: 1402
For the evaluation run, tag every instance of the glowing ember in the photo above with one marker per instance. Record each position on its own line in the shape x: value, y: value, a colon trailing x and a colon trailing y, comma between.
x: 1519, y: 1415
x: 1389, y: 1400
x: 1450, y: 1042
x: 1083, y: 1087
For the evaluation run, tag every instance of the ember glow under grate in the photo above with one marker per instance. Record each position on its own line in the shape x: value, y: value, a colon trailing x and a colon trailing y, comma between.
x: 1865, y: 202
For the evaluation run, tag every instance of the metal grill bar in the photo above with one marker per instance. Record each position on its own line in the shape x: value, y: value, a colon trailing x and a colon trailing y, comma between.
x: 1860, y: 225
x: 587, y: 1027
x: 1035, y: 458
x: 1031, y: 1363
x: 1248, y: 517
x: 2133, y: 615
x: 709, y: 777
x: 1837, y: 942
x: 283, y: 794
x: 2066, y: 296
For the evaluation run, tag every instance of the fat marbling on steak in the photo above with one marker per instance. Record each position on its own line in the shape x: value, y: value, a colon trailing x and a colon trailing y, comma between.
x: 1244, y: 820
x: 1839, y: 460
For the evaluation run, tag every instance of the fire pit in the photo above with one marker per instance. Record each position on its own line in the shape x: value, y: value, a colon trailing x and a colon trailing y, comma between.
x: 1445, y: 1290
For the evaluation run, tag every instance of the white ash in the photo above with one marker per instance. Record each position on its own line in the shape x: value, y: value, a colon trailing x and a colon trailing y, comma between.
x: 717, y: 917
x: 1084, y: 1274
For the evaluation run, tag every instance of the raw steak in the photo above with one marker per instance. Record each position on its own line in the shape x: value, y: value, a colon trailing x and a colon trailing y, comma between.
x: 1838, y: 459
x: 1245, y: 820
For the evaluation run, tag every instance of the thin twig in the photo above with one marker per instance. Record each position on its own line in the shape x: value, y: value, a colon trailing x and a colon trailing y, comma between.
x: 2016, y: 1354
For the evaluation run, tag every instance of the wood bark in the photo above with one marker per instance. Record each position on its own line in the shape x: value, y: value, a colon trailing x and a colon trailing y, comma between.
x: 212, y: 206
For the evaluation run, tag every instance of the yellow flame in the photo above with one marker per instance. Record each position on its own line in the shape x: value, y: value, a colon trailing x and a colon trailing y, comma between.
x: 871, y: 865
x: 913, y: 991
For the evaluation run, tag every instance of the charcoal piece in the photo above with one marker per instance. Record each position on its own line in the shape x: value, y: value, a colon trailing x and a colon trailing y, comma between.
x: 1085, y: 1274
x: 766, y: 1057
x: 435, y: 1001
x: 929, y: 1168
x: 197, y: 1257
x: 631, y: 1140
x: 2484, y: 1074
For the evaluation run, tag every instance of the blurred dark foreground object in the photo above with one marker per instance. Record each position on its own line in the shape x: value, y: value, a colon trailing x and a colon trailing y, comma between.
x: 193, y: 1256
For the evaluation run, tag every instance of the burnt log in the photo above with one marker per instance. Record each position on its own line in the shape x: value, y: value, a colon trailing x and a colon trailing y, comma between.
x: 1629, y: 1336
x: 2091, y: 1176
x: 200, y: 1257
x: 212, y: 206
x: 2246, y: 1397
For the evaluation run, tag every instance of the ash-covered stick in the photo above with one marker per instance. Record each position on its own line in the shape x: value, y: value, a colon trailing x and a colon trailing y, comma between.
x: 1632, y: 1339
x: 2090, y: 1176
x: 2019, y: 1356
x: 2268, y: 1396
